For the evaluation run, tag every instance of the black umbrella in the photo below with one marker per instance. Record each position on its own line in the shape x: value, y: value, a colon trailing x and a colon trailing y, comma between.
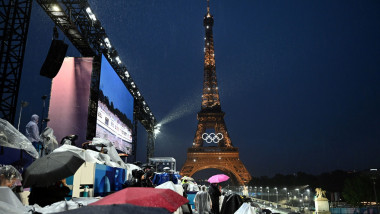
x: 52, y: 168
x: 117, y: 208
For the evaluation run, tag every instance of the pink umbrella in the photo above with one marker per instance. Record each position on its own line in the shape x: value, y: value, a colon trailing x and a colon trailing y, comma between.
x: 218, y: 178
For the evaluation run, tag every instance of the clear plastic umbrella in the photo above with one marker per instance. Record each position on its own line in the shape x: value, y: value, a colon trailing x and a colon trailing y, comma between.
x: 12, y: 138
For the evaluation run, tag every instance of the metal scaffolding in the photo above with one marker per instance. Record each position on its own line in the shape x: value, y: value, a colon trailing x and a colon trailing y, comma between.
x: 14, y: 24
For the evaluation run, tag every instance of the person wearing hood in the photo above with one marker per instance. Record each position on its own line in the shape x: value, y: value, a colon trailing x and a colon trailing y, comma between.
x: 32, y: 132
x: 202, y: 201
x: 214, y: 191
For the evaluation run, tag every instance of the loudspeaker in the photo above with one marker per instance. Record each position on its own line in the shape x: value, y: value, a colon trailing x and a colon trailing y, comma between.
x: 54, y: 59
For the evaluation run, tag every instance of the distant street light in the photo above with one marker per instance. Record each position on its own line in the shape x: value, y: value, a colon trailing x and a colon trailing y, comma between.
x: 261, y: 190
x: 276, y: 195
x: 298, y: 192
x: 268, y: 193
x: 285, y: 191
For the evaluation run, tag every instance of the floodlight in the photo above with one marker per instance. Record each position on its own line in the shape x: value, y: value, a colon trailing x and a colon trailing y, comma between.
x: 55, y: 8
x: 108, y: 43
x: 118, y: 59
x: 90, y: 14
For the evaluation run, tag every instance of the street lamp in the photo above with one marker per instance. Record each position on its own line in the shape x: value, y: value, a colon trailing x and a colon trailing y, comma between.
x: 307, y: 197
x: 43, y: 110
x: 298, y: 192
x: 276, y: 195
x: 23, y: 105
x: 285, y: 191
x: 268, y: 193
x: 261, y: 190
x: 288, y: 196
x: 256, y: 192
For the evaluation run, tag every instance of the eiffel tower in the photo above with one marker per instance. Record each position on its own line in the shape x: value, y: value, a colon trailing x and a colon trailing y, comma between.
x: 224, y: 156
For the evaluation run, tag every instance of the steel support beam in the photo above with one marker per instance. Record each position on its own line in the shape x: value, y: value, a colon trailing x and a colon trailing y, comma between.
x: 14, y: 24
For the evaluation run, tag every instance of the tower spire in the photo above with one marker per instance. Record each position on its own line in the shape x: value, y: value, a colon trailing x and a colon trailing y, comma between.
x: 210, y: 97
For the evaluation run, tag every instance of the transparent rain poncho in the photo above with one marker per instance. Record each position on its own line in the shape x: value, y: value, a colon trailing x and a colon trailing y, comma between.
x: 202, y: 202
x: 111, y: 151
x: 8, y: 172
x: 48, y: 140
x: 12, y: 138
x: 246, y: 208
x: 110, y: 159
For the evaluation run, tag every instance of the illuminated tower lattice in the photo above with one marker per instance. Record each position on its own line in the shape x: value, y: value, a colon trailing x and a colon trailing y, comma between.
x: 224, y: 156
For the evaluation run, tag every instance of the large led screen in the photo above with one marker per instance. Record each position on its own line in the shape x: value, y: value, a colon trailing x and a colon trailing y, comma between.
x: 115, y: 109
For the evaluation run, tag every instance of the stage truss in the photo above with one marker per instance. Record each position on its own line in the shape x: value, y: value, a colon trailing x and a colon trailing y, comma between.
x: 77, y: 21
x: 14, y: 24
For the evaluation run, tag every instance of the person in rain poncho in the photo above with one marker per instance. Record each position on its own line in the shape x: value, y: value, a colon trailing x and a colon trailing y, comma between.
x: 9, y: 176
x: 49, y: 140
x: 202, y: 201
x: 32, y: 132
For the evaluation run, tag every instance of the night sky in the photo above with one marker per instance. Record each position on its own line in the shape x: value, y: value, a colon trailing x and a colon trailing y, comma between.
x: 299, y: 81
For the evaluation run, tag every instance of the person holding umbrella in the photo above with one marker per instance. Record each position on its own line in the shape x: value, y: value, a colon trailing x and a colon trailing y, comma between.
x: 215, y: 190
x: 47, y: 195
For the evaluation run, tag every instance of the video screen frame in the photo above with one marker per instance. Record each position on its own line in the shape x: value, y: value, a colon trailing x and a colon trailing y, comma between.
x: 114, y: 113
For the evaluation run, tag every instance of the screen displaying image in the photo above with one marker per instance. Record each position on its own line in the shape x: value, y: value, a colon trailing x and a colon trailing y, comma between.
x: 115, y: 110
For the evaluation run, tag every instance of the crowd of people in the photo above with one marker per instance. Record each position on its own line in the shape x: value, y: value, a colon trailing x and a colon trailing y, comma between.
x: 209, y: 199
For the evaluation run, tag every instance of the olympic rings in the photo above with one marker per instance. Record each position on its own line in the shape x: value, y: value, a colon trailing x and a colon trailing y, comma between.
x: 212, y: 137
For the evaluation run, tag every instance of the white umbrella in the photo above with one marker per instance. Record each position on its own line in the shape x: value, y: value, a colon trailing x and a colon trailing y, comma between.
x: 12, y: 138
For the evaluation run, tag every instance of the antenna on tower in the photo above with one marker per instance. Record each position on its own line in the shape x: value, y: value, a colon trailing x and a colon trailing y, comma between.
x: 208, y: 6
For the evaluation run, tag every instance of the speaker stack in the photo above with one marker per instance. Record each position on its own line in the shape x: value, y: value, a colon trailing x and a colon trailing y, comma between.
x: 54, y: 59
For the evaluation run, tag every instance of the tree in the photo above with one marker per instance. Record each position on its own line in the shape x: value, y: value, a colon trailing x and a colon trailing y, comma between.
x: 358, y: 189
